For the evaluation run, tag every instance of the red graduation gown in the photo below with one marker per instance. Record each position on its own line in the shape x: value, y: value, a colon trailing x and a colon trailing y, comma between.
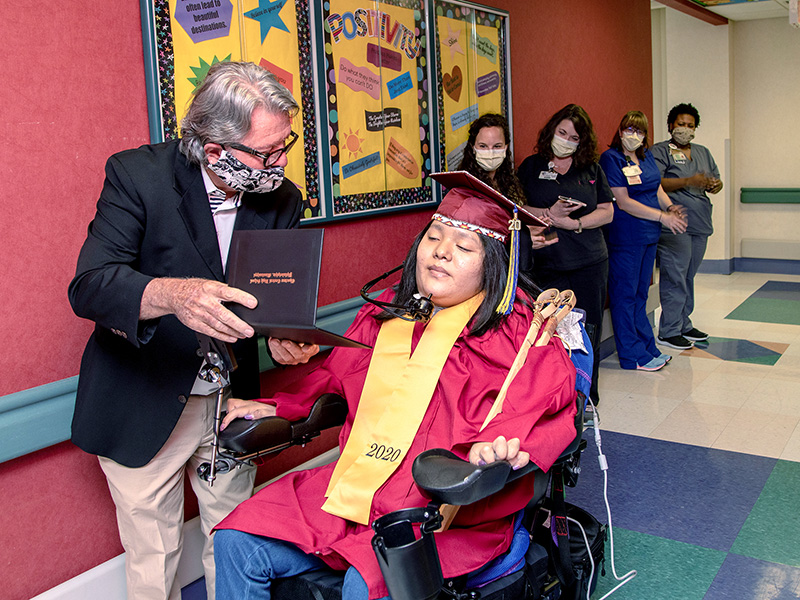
x: 539, y: 409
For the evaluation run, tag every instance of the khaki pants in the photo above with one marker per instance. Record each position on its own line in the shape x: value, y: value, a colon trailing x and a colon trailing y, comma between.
x: 149, y: 503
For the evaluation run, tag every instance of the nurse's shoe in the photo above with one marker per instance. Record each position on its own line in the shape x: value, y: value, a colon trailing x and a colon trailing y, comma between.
x: 666, y: 357
x: 656, y: 364
x: 676, y: 341
x: 695, y: 335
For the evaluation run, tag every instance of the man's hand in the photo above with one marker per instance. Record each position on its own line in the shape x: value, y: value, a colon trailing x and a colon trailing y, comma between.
x: 246, y: 409
x: 288, y: 352
x: 198, y: 304
x: 483, y: 453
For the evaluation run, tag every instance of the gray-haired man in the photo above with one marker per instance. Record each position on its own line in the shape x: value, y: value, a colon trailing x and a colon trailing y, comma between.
x: 150, y: 274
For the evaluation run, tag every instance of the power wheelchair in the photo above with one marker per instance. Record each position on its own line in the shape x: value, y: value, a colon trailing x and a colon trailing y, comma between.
x: 404, y: 542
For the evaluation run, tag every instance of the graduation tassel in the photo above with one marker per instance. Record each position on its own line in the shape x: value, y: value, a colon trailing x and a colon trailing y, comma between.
x: 507, y: 301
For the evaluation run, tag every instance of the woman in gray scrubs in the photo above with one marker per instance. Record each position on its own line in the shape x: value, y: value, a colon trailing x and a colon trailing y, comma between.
x: 688, y: 175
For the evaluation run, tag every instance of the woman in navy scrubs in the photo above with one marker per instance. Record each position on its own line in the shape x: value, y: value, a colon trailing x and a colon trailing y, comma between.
x: 563, y: 182
x: 632, y: 238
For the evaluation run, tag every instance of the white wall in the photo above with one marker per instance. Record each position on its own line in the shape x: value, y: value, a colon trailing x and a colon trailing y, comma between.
x: 692, y: 64
x: 766, y: 101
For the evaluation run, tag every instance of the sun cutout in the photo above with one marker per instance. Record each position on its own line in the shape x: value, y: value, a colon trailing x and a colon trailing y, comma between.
x: 353, y: 143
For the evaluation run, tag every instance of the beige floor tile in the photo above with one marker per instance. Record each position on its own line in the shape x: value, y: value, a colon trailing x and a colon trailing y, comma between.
x: 669, y: 382
x: 636, y: 414
x: 792, y: 449
x: 776, y: 395
x: 694, y: 423
x: 757, y: 432
x: 717, y: 396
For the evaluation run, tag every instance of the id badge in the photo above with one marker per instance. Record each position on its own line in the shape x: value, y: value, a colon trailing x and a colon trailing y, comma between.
x: 631, y: 170
x: 679, y: 157
x: 551, y: 175
x: 634, y: 180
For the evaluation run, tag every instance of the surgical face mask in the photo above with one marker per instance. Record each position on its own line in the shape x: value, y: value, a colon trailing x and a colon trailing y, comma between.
x: 682, y: 135
x: 563, y: 148
x: 631, y: 141
x: 238, y: 176
x: 490, y: 159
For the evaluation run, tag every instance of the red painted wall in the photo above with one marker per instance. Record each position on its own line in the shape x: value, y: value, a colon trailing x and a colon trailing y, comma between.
x: 73, y: 94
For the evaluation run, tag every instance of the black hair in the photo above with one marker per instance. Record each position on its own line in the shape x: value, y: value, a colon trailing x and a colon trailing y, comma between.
x: 586, y: 153
x: 683, y: 108
x: 505, y: 178
x: 637, y: 119
x: 495, y: 273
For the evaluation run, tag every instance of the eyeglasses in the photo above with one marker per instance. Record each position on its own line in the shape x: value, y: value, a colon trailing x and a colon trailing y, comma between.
x: 269, y: 158
x: 633, y: 130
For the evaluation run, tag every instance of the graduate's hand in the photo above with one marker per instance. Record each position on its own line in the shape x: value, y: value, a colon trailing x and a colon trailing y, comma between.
x: 246, y: 409
x: 288, y: 352
x: 483, y: 453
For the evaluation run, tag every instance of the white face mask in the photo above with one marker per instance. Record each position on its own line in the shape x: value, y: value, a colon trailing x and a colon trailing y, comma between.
x: 682, y: 135
x: 490, y: 159
x: 238, y: 176
x: 563, y: 148
x: 632, y: 141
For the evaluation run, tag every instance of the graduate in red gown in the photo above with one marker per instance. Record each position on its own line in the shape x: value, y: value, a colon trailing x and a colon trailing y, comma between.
x: 423, y: 385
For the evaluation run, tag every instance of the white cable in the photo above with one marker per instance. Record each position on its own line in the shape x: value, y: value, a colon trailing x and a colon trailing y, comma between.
x: 601, y: 458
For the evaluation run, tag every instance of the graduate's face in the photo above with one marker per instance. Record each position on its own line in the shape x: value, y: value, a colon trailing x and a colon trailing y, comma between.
x: 449, y: 264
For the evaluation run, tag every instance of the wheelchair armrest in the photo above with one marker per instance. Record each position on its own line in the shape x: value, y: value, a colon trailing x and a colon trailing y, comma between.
x: 244, y: 437
x: 452, y: 480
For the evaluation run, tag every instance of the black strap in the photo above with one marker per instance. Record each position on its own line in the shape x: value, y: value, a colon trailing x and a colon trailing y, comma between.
x: 559, y: 527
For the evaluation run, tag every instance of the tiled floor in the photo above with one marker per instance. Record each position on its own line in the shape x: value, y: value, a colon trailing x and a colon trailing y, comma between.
x: 704, y: 455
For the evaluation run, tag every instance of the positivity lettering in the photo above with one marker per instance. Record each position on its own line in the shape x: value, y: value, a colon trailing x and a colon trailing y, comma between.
x: 374, y: 23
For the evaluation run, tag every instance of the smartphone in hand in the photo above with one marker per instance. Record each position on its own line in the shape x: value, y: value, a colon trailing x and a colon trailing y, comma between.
x: 571, y: 202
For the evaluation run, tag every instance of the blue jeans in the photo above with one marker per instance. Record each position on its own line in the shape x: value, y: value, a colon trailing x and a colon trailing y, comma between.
x: 246, y: 564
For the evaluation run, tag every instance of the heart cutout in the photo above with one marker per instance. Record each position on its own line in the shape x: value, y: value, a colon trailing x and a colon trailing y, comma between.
x: 453, y: 83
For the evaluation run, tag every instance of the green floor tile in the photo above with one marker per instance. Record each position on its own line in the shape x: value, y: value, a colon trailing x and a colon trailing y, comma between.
x: 767, y: 310
x: 666, y: 569
x: 772, y: 530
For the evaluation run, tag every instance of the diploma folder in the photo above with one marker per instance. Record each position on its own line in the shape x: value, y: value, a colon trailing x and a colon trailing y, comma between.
x: 280, y: 267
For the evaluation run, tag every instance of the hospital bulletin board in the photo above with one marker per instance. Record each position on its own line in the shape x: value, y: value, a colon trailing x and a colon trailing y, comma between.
x: 372, y: 124
x: 473, y: 72
x: 378, y: 104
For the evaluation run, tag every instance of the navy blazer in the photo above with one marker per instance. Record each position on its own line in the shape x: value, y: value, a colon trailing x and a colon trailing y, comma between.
x: 153, y: 220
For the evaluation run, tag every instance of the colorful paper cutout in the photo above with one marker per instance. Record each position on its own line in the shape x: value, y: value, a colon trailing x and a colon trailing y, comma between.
x: 485, y: 47
x: 451, y: 41
x: 204, y: 19
x: 453, y: 83
x: 285, y: 78
x: 389, y: 117
x: 201, y: 71
x: 383, y: 57
x: 399, y: 85
x: 486, y: 84
x: 359, y: 79
x: 362, y: 164
x: 464, y: 117
x: 401, y: 160
x: 268, y: 16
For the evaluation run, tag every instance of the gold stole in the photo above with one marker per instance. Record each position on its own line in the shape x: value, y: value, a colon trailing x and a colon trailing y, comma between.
x: 398, y: 388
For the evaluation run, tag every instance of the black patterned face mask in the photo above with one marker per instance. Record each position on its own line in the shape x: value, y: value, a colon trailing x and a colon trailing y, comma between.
x: 238, y: 176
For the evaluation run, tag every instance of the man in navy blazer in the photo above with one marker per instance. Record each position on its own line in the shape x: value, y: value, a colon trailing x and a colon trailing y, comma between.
x: 150, y: 274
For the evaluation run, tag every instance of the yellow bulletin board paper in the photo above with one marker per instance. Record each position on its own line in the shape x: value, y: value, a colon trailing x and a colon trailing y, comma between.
x: 473, y: 74
x: 376, y: 79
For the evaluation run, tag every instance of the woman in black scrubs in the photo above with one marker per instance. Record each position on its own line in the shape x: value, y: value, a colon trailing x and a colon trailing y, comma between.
x: 563, y: 182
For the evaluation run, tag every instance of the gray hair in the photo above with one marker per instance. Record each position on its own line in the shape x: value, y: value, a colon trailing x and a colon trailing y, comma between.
x: 224, y: 102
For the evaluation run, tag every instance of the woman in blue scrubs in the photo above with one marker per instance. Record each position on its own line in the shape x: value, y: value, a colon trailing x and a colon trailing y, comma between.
x: 632, y: 238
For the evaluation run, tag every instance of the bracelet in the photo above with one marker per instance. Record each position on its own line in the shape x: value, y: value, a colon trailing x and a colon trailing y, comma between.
x: 580, y: 226
x: 660, y: 214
